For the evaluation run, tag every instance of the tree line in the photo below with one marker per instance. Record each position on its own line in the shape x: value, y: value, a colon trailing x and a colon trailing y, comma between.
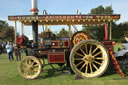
x: 118, y: 30
x: 6, y: 32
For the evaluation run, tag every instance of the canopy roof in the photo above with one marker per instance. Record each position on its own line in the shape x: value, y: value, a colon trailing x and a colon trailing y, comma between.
x: 65, y: 19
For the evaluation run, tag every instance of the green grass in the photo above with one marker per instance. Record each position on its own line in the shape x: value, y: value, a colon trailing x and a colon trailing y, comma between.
x: 116, y: 46
x: 9, y: 75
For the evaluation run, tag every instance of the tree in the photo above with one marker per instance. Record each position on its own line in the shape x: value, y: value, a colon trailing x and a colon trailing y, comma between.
x: 46, y: 34
x: 3, y: 24
x: 98, y: 32
x: 108, y: 10
x: 101, y: 10
x: 42, y: 35
x: 95, y: 32
x: 6, y: 32
x: 63, y: 33
x: 120, y: 31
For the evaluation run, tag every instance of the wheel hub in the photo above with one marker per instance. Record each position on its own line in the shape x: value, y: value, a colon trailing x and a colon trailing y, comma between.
x: 30, y: 68
x: 89, y: 59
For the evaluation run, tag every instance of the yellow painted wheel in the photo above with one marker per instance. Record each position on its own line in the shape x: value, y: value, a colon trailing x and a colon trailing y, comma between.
x: 89, y: 59
x: 30, y: 67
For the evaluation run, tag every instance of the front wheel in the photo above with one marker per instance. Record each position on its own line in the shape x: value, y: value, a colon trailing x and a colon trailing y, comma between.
x: 30, y: 67
x: 89, y: 59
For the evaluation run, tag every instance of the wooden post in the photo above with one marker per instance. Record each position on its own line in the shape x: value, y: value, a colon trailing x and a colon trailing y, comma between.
x: 107, y: 32
x: 70, y: 32
x: 110, y: 36
x: 22, y: 26
x: 43, y: 28
x: 15, y: 31
x: 46, y: 28
x: 50, y: 27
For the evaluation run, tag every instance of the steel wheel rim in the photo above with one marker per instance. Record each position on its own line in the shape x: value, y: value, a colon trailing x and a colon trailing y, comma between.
x: 89, y: 63
x: 30, y: 67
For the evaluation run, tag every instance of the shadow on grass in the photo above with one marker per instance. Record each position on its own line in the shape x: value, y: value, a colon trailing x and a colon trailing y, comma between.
x: 109, y: 71
x: 53, y: 73
x: 47, y: 73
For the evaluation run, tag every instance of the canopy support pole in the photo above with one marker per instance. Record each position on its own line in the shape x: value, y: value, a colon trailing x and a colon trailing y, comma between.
x: 110, y: 36
x: 22, y: 28
x: 43, y: 27
x: 15, y: 31
x: 70, y: 32
x: 106, y: 31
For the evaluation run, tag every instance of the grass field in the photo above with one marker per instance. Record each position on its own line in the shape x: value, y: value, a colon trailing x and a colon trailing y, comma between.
x: 9, y: 75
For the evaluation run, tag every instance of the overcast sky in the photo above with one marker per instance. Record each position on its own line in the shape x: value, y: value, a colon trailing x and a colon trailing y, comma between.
x: 23, y: 7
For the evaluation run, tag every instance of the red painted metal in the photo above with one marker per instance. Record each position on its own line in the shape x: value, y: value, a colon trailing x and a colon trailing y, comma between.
x: 108, y: 44
x: 56, y: 58
x: 56, y: 43
x: 34, y: 10
x: 66, y: 43
x: 115, y: 63
x: 19, y: 40
x: 106, y: 34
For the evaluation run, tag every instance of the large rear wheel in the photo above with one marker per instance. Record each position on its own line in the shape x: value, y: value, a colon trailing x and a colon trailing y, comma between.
x: 89, y: 59
x: 30, y: 67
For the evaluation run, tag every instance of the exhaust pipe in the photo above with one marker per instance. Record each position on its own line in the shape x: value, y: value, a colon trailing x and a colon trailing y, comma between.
x: 34, y: 9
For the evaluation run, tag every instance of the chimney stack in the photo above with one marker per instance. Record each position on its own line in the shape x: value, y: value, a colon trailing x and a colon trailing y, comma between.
x: 34, y: 9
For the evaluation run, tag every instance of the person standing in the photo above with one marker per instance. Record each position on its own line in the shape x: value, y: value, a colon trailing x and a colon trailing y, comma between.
x: 9, y: 48
x: 17, y: 53
x: 0, y: 48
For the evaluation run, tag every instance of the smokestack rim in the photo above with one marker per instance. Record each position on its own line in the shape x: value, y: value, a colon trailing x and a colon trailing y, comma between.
x: 34, y: 10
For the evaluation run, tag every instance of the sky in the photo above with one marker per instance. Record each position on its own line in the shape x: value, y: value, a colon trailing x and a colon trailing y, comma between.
x: 23, y: 7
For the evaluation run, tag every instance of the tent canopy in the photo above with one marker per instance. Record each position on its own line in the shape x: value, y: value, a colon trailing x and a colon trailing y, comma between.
x: 65, y: 19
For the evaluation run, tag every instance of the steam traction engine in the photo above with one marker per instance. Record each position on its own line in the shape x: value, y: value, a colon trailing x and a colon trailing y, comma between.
x: 88, y: 58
